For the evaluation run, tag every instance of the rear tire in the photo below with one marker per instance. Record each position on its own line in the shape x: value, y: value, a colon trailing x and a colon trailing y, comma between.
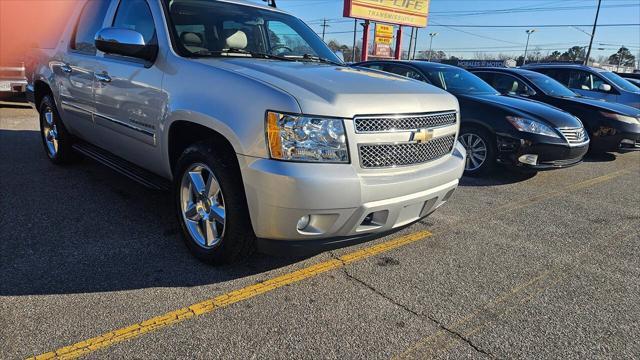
x: 56, y: 140
x: 212, y: 206
x: 481, y: 151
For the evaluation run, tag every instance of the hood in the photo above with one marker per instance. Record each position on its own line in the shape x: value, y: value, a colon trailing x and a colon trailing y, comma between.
x: 527, y: 108
x: 598, y: 105
x: 322, y: 89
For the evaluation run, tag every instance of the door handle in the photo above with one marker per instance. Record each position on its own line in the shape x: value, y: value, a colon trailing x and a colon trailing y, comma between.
x: 66, y: 68
x: 103, y: 78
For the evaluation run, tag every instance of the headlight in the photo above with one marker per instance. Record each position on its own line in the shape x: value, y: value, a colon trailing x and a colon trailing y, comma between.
x: 306, y: 138
x: 531, y: 126
x: 623, y: 118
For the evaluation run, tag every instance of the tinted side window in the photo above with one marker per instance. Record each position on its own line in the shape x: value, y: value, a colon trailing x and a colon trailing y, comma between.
x: 136, y: 15
x: 581, y: 80
x: 89, y: 23
x: 507, y: 84
x: 405, y: 71
x: 374, y: 66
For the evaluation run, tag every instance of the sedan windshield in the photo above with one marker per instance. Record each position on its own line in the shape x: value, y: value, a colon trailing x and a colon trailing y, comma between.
x: 619, y: 81
x: 549, y: 86
x: 458, y: 81
x: 215, y: 28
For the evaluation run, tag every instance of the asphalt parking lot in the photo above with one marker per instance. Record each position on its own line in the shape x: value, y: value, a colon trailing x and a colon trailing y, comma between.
x: 514, y: 266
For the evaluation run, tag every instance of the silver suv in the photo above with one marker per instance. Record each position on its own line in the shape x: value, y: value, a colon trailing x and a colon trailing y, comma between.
x: 264, y: 135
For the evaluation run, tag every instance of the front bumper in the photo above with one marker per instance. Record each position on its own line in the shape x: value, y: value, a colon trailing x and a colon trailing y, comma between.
x: 622, y: 138
x: 342, y: 202
x: 16, y: 86
x: 552, y: 153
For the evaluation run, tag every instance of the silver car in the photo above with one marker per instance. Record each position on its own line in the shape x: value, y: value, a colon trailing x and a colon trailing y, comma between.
x: 265, y: 137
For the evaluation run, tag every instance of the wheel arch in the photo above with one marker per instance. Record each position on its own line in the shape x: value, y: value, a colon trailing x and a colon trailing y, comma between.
x: 181, y: 134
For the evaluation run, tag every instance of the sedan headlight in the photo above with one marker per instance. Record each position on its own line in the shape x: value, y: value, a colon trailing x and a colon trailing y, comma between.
x: 306, y: 138
x: 623, y: 118
x: 532, y: 126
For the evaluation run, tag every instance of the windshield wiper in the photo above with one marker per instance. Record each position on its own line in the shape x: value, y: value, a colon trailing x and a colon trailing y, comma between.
x: 310, y: 57
x: 253, y: 54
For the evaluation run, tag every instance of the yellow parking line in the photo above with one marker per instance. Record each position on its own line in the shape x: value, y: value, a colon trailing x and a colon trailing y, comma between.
x: 173, y: 317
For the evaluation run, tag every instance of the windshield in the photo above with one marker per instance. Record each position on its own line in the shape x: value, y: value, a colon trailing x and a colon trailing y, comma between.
x: 215, y: 28
x: 458, y: 81
x: 619, y: 81
x: 549, y: 86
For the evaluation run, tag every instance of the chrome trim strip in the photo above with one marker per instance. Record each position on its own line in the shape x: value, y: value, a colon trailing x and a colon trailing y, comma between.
x: 64, y: 102
x: 135, y: 128
x: 586, y: 136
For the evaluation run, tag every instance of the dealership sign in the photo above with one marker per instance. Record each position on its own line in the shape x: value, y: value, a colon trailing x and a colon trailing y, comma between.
x: 402, y: 12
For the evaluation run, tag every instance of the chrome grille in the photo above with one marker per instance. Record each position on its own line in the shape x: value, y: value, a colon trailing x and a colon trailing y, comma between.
x: 392, y: 155
x: 574, y: 135
x: 404, y: 123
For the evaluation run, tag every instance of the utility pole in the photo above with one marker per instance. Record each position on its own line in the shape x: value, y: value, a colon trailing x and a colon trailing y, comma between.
x: 432, y: 35
x: 415, y: 44
x: 410, y: 43
x: 355, y: 31
x: 593, y: 33
x: 529, y: 32
x: 324, y: 27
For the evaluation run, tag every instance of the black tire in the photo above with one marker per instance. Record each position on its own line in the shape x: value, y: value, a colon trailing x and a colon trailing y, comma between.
x: 489, y: 162
x: 238, y: 239
x: 63, y: 150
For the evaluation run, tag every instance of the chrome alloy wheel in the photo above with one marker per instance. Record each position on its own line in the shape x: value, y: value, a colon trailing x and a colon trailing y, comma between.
x: 50, y: 132
x: 202, y: 205
x: 476, y: 151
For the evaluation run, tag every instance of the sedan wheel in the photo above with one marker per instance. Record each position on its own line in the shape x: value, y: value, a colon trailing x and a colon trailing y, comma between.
x: 476, y: 151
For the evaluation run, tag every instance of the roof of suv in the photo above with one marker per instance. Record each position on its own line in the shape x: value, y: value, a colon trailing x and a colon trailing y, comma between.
x: 520, y: 71
x: 240, y: 2
x: 565, y: 66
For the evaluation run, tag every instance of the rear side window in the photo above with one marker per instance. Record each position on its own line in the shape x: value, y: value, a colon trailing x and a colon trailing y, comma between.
x: 373, y: 66
x: 89, y: 23
x: 136, y: 15
x: 405, y: 71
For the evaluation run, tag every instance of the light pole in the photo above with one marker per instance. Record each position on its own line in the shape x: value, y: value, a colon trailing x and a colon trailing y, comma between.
x: 529, y: 32
x: 432, y: 35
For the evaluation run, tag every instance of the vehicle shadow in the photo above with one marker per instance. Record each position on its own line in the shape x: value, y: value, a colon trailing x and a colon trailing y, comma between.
x: 499, y: 176
x: 600, y: 157
x: 14, y: 102
x: 83, y: 228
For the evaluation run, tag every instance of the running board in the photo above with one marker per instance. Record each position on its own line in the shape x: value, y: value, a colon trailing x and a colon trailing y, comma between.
x: 123, y: 166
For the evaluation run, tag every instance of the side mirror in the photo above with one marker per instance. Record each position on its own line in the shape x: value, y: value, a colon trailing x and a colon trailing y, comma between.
x: 604, y: 87
x: 340, y: 55
x: 125, y: 42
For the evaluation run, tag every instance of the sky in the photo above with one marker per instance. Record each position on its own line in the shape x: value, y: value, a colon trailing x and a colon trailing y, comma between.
x: 446, y: 16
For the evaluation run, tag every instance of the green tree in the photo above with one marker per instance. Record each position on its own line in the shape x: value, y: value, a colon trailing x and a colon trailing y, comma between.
x: 623, y: 57
x: 575, y: 53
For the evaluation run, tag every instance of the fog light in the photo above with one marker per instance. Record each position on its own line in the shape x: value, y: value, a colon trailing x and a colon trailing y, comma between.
x: 529, y: 159
x: 304, y: 222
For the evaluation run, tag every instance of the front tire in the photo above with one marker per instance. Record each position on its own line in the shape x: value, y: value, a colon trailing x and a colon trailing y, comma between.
x: 212, y: 206
x: 56, y: 140
x: 481, y: 151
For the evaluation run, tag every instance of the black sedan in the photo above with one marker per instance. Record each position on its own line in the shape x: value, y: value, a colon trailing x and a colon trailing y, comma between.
x: 500, y: 129
x: 611, y: 126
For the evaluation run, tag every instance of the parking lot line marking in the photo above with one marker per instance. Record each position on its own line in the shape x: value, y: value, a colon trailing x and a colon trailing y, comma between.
x: 207, y: 306
x: 173, y: 317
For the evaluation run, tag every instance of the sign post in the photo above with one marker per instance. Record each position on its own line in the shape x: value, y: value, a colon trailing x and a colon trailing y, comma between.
x: 411, y: 13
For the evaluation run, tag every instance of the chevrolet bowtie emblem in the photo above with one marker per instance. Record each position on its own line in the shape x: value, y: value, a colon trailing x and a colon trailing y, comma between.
x: 422, y: 135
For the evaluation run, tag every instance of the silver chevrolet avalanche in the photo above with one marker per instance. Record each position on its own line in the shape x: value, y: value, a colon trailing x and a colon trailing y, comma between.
x: 267, y: 140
